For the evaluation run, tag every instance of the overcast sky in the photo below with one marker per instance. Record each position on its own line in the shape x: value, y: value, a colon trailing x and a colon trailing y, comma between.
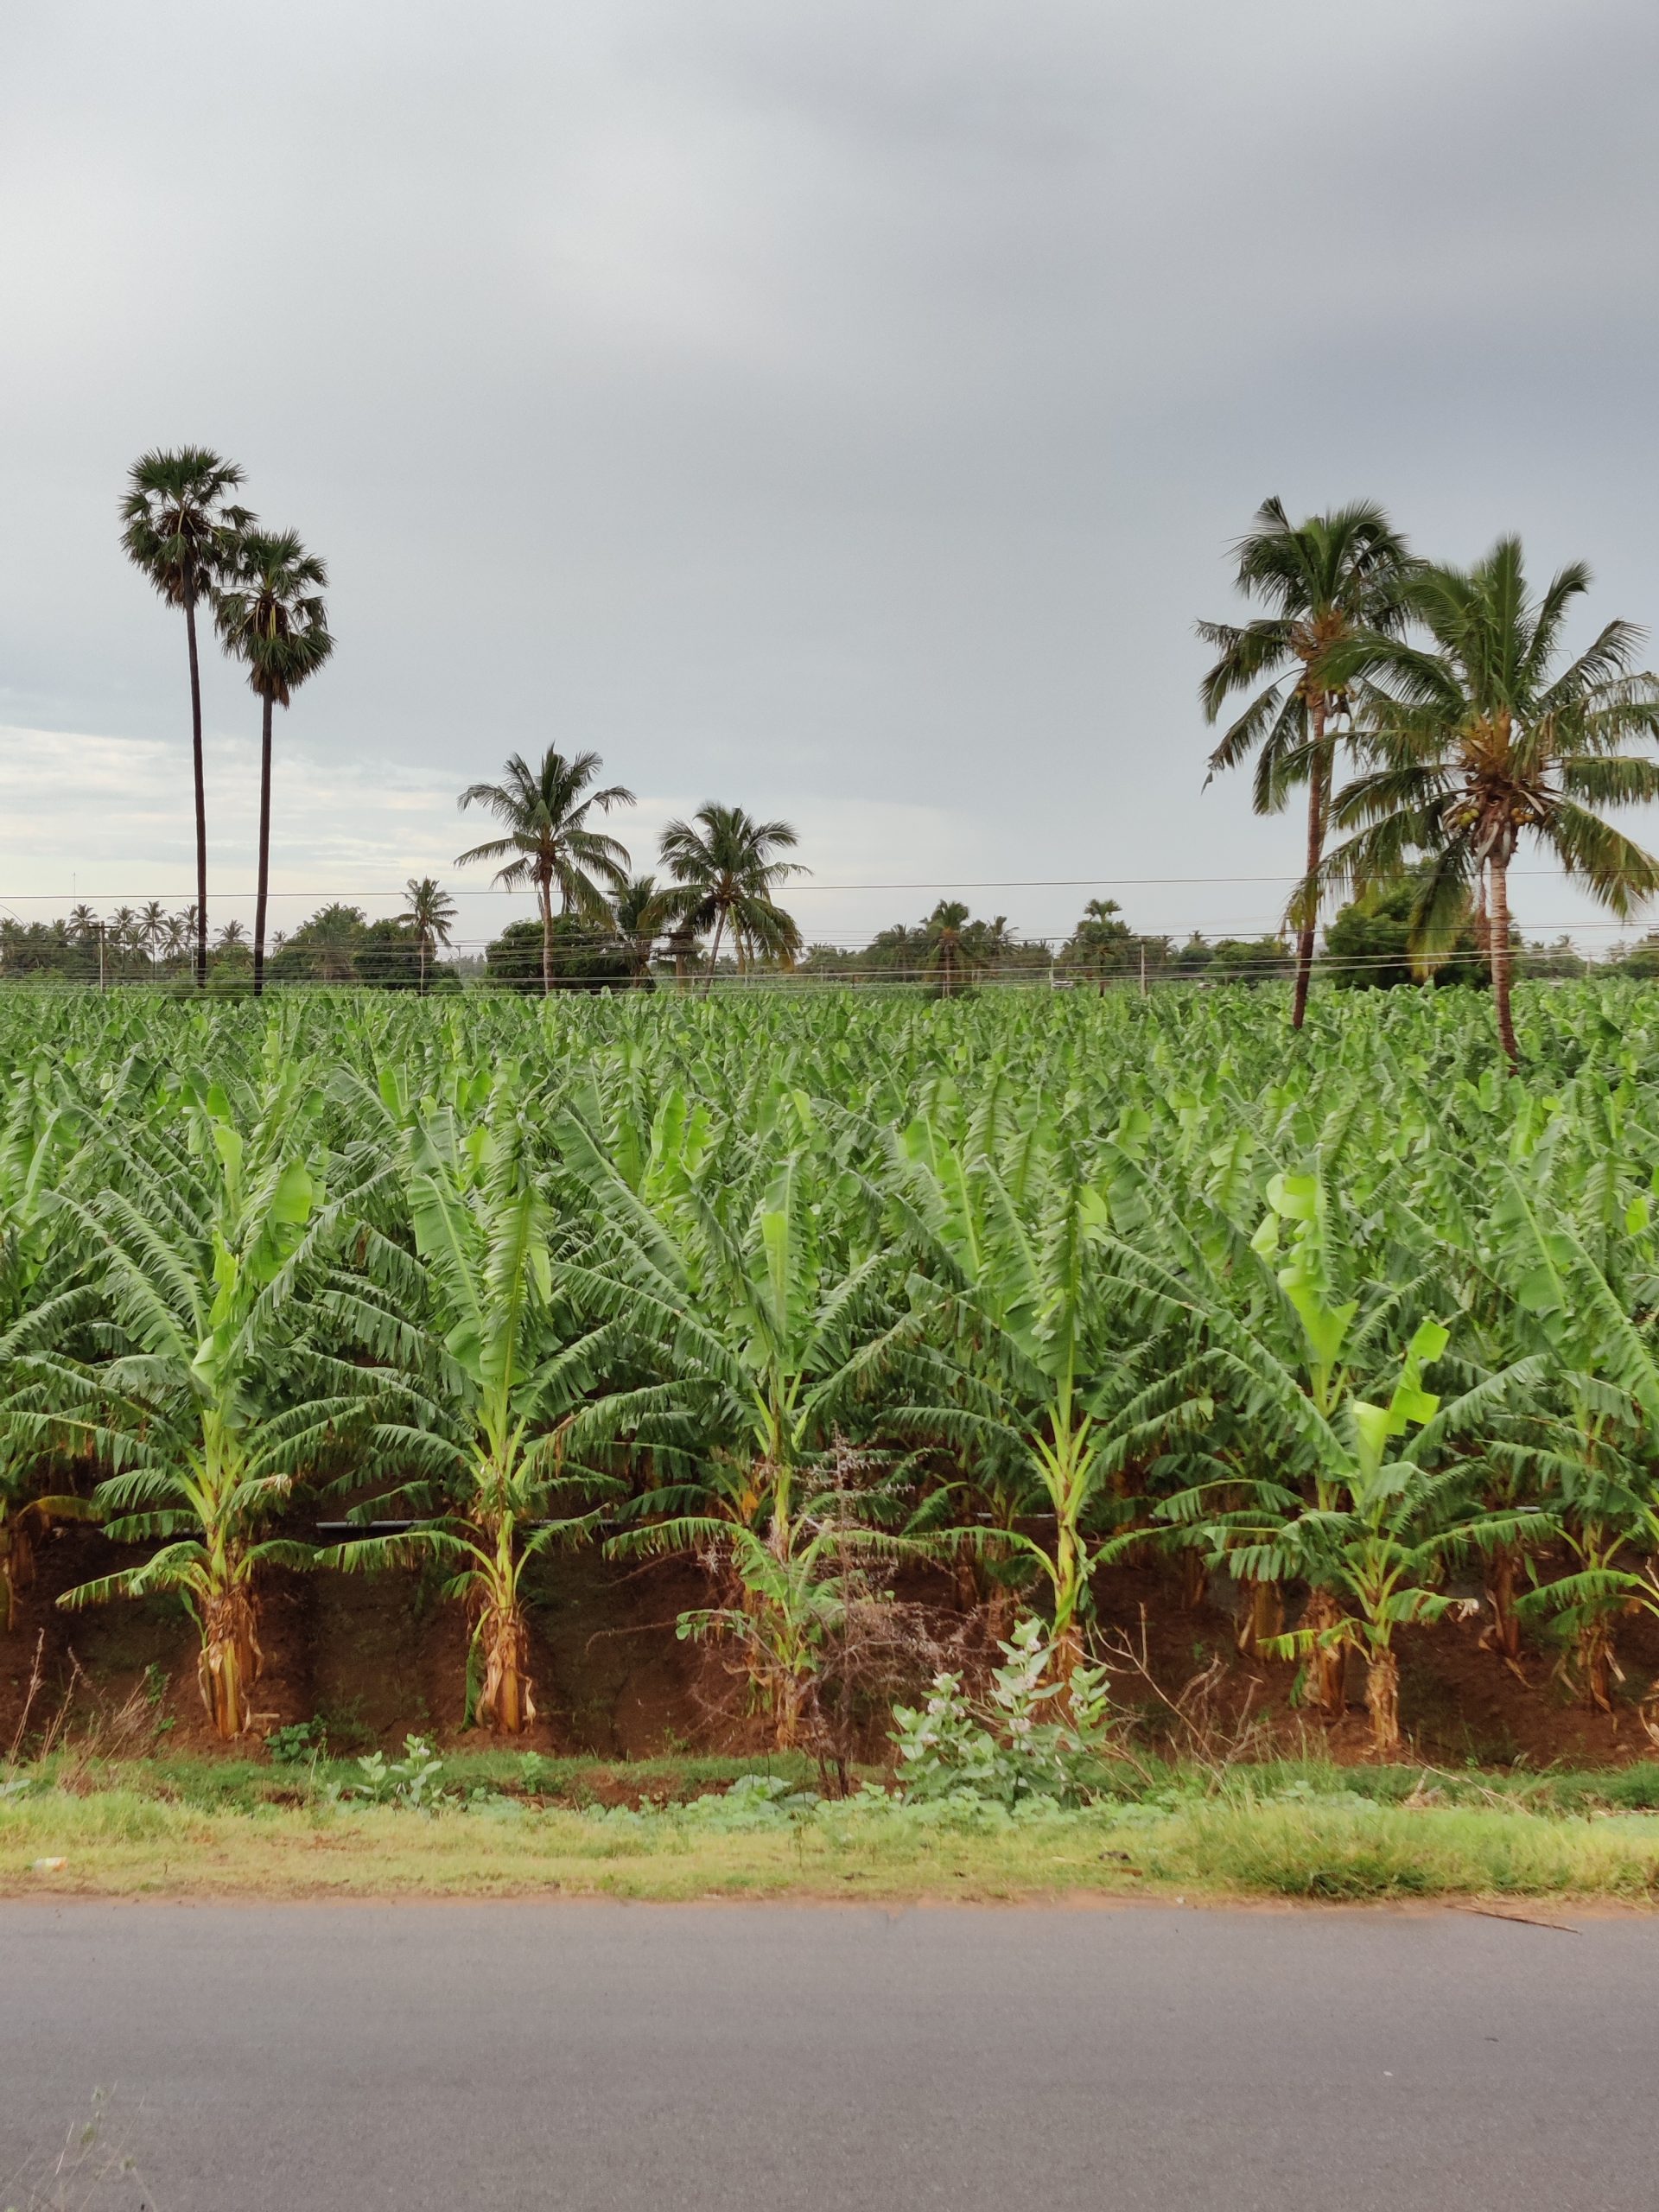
x: 839, y: 407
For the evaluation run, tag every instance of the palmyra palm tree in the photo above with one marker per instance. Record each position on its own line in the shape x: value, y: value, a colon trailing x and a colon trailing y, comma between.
x: 725, y: 872
x: 231, y: 934
x: 1480, y: 737
x: 177, y: 523
x: 1324, y: 579
x: 271, y: 617
x: 548, y: 840
x: 429, y: 914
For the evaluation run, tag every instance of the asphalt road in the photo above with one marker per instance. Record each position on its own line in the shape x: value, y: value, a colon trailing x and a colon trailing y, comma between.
x: 576, y: 2055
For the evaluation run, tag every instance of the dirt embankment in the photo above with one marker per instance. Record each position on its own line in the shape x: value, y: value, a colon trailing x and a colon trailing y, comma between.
x: 376, y: 1656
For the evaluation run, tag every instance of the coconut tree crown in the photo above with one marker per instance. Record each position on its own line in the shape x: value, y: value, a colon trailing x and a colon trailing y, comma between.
x: 547, y: 842
x: 1322, y: 580
x: 1480, y: 736
x: 726, y: 866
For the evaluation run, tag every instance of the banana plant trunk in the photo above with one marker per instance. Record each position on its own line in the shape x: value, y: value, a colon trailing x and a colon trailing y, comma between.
x: 506, y: 1700
x: 1598, y: 1666
x: 1382, y: 1700
x: 791, y: 1693
x: 16, y: 1563
x: 1504, y: 1636
x: 1071, y: 1581
x: 230, y: 1660
x: 1262, y: 1617
x: 1328, y: 1660
x: 1195, y: 1580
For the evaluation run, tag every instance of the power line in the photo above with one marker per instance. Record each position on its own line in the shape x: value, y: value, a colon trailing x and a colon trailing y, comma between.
x: 961, y: 883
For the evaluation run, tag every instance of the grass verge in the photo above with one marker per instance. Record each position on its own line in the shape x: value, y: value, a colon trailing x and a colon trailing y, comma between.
x: 120, y: 1841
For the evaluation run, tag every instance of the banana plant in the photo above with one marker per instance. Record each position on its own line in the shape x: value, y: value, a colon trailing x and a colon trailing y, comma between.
x: 1378, y: 1539
x: 202, y: 1391
x: 483, y: 1364
x: 758, y: 1291
x: 1290, y: 1340
x: 792, y: 1606
x: 39, y: 1133
x: 1586, y: 1440
x: 760, y: 1298
x: 1044, y: 1363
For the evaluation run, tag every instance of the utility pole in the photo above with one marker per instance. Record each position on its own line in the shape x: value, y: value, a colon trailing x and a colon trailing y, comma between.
x: 1143, y: 967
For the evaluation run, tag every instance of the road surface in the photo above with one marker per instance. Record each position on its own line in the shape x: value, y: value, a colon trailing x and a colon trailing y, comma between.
x: 301, y: 2058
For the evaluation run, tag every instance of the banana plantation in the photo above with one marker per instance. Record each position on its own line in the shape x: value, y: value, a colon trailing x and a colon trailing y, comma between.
x: 900, y: 1331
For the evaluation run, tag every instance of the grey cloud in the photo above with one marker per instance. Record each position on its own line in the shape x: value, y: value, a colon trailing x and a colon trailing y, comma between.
x: 819, y: 404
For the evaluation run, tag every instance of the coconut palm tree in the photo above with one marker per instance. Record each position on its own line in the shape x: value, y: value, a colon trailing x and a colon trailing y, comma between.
x: 548, y: 840
x: 124, y: 938
x: 1482, y: 736
x: 271, y: 617
x: 949, y: 957
x: 177, y: 521
x: 152, y: 929
x: 1323, y: 580
x: 429, y: 914
x: 642, y: 908
x: 724, y: 862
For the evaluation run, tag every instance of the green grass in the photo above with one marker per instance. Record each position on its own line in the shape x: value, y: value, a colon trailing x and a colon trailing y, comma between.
x: 158, y: 1828
x: 245, y: 1785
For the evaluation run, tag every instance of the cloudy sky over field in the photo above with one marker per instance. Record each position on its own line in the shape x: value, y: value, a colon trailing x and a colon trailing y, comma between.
x: 840, y: 407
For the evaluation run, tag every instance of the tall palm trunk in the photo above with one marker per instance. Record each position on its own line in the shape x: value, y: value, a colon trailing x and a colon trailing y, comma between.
x: 202, y: 794
x: 714, y: 950
x: 1501, y: 958
x: 1319, y: 784
x: 546, y: 890
x: 263, y: 891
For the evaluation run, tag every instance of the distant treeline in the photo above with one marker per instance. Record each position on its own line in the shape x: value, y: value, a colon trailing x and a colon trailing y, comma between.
x: 948, y: 952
